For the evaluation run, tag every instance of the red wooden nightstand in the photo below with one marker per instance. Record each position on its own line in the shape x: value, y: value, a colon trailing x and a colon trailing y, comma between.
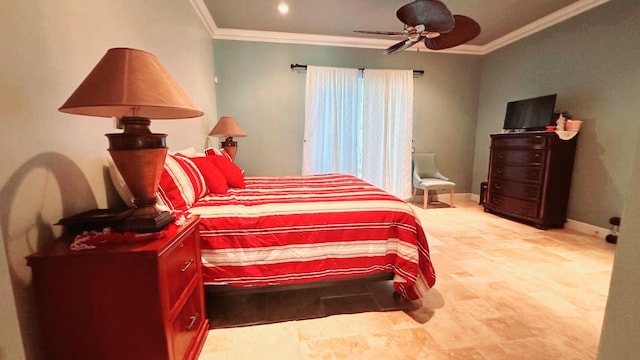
x: 130, y: 301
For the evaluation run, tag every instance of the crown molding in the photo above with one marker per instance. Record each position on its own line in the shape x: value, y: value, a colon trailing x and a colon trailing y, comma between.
x: 215, y: 32
x: 561, y: 15
x: 326, y: 40
x: 205, y: 16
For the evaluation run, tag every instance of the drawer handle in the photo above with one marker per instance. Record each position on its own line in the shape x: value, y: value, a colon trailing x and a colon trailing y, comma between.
x: 499, y: 171
x: 186, y: 266
x: 498, y: 186
x: 192, y: 321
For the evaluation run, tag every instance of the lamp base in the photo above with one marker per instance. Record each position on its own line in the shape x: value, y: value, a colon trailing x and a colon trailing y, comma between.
x: 230, y: 146
x: 147, y: 223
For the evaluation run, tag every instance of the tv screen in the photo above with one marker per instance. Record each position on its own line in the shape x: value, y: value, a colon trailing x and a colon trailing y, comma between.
x: 530, y: 114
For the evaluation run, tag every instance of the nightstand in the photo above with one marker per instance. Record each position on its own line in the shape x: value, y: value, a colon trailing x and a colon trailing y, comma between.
x: 130, y: 301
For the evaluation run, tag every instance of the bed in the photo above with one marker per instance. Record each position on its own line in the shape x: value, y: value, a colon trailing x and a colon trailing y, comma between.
x: 287, y: 230
x: 282, y: 230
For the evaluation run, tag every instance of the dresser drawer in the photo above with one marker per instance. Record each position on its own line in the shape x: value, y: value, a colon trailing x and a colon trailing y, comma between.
x: 180, y: 265
x: 537, y: 141
x: 186, y: 325
x: 515, y: 189
x: 523, y: 157
x: 518, y: 173
x: 514, y: 206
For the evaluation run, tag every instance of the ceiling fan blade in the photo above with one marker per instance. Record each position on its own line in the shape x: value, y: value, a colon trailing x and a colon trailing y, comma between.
x: 402, y: 45
x: 465, y: 29
x: 388, y: 33
x: 433, y: 14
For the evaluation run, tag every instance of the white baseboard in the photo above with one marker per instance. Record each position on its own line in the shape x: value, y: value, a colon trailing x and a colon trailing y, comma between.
x: 587, y: 228
x: 571, y: 224
x: 444, y: 197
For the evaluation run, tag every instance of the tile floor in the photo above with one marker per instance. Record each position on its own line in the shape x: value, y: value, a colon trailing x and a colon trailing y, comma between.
x: 504, y: 291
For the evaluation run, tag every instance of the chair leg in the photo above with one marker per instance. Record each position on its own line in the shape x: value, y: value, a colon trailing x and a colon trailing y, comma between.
x: 451, y: 198
x: 415, y: 192
x: 426, y: 198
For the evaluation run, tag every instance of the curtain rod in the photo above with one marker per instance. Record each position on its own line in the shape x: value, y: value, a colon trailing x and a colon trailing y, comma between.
x: 299, y: 66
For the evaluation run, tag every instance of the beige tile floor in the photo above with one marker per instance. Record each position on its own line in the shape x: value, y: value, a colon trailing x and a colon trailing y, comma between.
x: 504, y: 291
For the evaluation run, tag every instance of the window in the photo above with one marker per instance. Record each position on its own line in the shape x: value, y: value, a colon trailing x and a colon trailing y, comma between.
x: 360, y: 123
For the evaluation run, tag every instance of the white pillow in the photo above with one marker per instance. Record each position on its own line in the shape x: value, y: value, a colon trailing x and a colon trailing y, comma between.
x: 118, y: 182
x: 123, y: 190
x: 188, y: 152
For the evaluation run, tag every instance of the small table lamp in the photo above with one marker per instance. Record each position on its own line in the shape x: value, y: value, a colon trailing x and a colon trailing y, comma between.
x: 133, y: 86
x: 227, y: 126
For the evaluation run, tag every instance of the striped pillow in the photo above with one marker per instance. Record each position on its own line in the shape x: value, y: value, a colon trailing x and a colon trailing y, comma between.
x: 181, y: 183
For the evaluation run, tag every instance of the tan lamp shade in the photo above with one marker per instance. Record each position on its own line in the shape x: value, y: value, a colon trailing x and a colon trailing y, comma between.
x: 130, y: 82
x: 227, y: 126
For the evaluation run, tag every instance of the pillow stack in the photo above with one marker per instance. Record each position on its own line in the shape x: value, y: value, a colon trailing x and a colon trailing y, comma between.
x: 187, y: 177
x: 232, y: 173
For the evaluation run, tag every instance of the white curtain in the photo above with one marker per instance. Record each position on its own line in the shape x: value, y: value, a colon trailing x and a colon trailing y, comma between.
x: 360, y: 128
x: 332, y: 115
x: 387, y: 130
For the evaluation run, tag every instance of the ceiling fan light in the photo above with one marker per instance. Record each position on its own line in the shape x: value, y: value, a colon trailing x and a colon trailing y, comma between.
x: 283, y: 8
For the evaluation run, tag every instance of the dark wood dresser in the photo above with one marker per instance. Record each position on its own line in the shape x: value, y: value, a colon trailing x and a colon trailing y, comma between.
x: 530, y: 177
x: 135, y: 301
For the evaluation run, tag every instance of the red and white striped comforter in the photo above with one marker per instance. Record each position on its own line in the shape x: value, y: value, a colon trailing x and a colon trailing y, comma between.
x: 295, y: 229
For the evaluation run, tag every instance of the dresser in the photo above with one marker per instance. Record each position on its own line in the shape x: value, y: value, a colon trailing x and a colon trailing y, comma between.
x: 530, y: 177
x: 125, y: 301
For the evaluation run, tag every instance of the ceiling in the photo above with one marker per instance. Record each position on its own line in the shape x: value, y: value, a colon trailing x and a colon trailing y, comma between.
x: 331, y: 22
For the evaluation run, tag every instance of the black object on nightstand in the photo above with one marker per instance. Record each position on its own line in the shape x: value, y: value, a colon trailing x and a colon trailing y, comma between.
x: 95, y: 219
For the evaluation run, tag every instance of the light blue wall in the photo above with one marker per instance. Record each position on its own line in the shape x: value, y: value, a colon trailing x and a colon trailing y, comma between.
x: 257, y: 86
x: 591, y: 61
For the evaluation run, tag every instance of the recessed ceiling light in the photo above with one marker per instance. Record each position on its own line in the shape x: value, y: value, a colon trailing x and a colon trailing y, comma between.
x: 283, y: 8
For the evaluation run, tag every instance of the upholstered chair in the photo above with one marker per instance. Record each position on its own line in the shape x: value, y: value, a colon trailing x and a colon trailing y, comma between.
x: 426, y: 176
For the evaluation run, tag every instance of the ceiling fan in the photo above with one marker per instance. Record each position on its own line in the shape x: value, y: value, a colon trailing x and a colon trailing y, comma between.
x: 431, y: 21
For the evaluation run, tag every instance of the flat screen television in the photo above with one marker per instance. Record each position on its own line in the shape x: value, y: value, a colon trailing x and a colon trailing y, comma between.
x: 530, y: 114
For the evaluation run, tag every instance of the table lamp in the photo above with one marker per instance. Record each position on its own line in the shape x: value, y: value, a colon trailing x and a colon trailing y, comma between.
x: 133, y: 86
x: 228, y: 127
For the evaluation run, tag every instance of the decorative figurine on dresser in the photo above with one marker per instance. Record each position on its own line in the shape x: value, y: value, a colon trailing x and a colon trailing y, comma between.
x: 530, y: 170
